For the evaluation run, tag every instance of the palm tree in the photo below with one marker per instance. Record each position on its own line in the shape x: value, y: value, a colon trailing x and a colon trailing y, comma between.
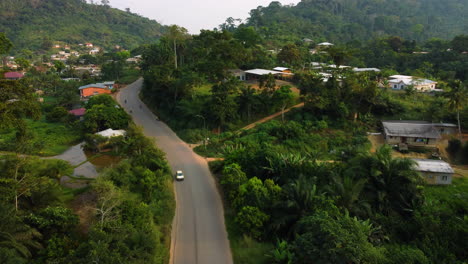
x: 348, y: 190
x: 300, y: 199
x: 457, y: 97
x: 392, y: 182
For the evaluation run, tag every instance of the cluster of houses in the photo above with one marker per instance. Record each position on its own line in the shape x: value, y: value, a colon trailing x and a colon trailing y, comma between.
x: 404, y: 134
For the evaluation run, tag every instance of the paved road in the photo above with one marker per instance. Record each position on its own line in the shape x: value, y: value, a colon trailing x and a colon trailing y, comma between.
x: 198, y: 233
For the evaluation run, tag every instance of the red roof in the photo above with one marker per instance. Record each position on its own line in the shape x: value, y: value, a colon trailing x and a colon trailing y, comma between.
x: 78, y: 112
x: 13, y: 75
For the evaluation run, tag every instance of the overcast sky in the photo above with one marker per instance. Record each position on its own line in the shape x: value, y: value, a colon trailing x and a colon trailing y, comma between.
x: 193, y: 14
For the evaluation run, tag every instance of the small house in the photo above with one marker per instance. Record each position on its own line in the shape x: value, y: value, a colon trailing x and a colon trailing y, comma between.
x: 238, y: 73
x: 13, y: 75
x: 434, y: 171
x: 95, y: 89
x: 80, y: 112
x: 108, y: 133
x: 256, y: 73
x: 400, y: 82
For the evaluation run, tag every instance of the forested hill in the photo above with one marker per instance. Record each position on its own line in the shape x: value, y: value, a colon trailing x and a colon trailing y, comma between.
x: 347, y: 20
x: 28, y: 23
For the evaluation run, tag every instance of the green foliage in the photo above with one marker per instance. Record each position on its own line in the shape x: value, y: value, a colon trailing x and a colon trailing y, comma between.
x: 335, y: 239
x: 73, y: 21
x: 5, y: 44
x: 102, y: 113
x: 354, y: 20
x: 251, y: 220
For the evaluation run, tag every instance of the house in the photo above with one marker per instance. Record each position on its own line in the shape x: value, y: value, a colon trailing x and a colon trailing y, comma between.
x: 400, y: 82
x: 94, y: 51
x: 95, y: 89
x: 13, y: 75
x: 79, y: 113
x: 256, y: 73
x: 434, y: 171
x: 108, y: 133
x: 89, y: 45
x: 238, y: 73
x: 283, y: 69
x: 415, y: 133
x: 366, y: 70
x: 325, y: 44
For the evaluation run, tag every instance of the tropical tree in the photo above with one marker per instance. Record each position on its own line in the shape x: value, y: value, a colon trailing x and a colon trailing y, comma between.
x: 347, y: 191
x: 457, y: 96
x: 283, y: 98
x: 392, y: 183
x: 246, y: 100
x: 177, y: 35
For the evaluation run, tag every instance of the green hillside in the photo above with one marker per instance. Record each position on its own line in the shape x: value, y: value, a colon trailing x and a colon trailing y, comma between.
x: 348, y: 20
x: 34, y: 23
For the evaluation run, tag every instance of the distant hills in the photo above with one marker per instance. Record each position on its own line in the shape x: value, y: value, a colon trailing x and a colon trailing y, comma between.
x: 350, y: 20
x: 34, y: 23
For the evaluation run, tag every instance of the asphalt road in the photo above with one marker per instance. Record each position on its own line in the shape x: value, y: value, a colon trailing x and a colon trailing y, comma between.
x: 198, y: 233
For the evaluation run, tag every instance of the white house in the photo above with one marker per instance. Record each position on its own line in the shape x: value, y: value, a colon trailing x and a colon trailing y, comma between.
x: 108, y: 133
x: 238, y: 73
x: 434, y: 171
x: 400, y: 82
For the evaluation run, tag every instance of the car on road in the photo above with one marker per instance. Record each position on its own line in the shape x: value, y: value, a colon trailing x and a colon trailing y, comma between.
x: 179, y: 175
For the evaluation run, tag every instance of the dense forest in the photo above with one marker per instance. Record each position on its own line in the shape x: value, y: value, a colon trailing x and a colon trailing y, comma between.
x: 308, y: 187
x: 348, y: 20
x: 33, y: 24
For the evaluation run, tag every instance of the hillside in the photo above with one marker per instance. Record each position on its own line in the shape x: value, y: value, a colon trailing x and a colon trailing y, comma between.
x: 348, y: 20
x: 33, y: 23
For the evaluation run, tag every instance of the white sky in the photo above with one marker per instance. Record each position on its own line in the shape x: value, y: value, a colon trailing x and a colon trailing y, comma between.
x: 193, y: 14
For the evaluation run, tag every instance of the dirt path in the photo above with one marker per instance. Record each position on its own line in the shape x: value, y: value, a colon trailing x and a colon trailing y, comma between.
x: 268, y: 118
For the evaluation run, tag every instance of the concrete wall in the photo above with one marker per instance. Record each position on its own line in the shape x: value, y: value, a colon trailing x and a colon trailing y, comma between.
x: 410, y: 141
x: 93, y: 91
x: 437, y: 178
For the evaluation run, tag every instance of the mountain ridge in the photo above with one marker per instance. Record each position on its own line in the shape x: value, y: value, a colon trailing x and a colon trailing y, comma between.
x: 28, y: 23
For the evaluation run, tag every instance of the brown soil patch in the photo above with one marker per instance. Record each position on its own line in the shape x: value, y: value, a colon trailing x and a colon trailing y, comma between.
x: 84, y: 206
x: 376, y: 141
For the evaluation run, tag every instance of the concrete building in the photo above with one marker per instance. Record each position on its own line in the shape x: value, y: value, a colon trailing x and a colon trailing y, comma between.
x: 434, y: 171
x: 416, y: 133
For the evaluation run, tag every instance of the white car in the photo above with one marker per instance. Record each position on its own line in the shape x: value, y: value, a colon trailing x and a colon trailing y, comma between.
x: 179, y: 175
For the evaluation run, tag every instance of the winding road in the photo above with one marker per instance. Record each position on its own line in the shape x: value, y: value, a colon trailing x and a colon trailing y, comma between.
x: 198, y: 232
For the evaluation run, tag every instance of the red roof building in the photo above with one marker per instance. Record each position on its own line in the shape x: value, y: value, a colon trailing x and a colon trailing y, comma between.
x: 78, y: 112
x: 13, y: 75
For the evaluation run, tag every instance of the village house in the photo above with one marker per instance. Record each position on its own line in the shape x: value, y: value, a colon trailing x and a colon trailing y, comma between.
x: 89, y: 45
x: 434, y: 171
x: 415, y: 133
x: 13, y: 75
x: 95, y: 89
x: 238, y: 73
x: 254, y: 74
x: 400, y: 82
x: 78, y: 113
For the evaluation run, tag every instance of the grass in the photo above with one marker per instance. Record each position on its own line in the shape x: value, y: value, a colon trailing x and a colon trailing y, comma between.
x: 50, y: 139
x: 246, y: 250
x: 455, y: 195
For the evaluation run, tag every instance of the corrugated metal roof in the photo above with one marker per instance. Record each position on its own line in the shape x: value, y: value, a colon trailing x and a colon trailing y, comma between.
x: 419, y: 129
x: 281, y: 69
x: 94, y: 85
x: 262, y: 72
x: 428, y: 165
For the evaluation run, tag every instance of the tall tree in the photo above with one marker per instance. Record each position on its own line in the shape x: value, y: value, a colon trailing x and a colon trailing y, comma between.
x: 457, y: 96
x: 177, y: 35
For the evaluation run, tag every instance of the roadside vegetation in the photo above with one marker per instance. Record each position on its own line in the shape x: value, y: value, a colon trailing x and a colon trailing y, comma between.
x: 122, y: 216
x: 305, y: 187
